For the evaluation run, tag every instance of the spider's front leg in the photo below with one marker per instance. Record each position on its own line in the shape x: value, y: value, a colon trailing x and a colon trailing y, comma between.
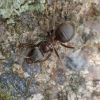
x: 61, y: 62
x: 54, y: 9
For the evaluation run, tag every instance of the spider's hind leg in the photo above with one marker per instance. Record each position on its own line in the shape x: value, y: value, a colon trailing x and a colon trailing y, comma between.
x: 53, y: 21
x: 66, y: 46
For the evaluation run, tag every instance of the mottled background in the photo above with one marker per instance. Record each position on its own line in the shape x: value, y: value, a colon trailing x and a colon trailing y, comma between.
x: 27, y: 22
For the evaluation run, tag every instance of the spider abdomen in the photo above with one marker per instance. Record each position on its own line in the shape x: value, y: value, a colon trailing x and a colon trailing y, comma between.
x: 65, y: 32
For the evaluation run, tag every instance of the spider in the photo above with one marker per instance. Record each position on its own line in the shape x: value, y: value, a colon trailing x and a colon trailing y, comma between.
x: 62, y: 34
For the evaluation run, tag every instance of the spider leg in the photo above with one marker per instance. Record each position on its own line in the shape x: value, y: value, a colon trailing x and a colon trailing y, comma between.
x: 21, y: 56
x: 56, y: 53
x: 23, y: 45
x: 47, y: 18
x: 66, y: 46
x: 48, y: 33
x: 27, y: 59
x: 53, y: 22
x: 47, y: 56
x: 60, y: 61
x: 16, y: 55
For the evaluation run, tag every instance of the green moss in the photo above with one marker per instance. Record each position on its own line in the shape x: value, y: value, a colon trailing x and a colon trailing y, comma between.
x: 5, y: 96
x: 9, y: 87
x: 9, y: 8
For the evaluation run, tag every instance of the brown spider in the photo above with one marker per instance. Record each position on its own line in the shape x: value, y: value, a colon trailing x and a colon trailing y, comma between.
x: 63, y: 33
